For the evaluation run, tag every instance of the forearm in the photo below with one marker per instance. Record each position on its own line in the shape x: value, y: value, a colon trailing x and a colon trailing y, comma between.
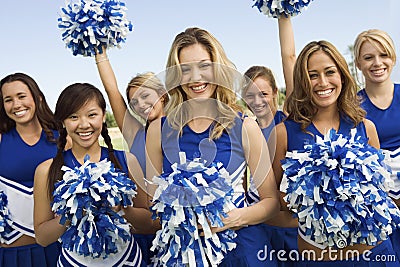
x: 260, y: 212
x: 141, y: 221
x: 49, y: 232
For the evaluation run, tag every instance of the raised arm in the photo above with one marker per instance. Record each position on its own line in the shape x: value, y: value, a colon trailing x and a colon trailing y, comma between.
x: 47, y: 226
x: 118, y: 105
x: 288, y: 51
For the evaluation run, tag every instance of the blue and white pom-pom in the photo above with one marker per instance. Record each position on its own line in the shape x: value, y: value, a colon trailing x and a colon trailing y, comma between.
x: 278, y: 8
x: 5, y: 219
x: 337, y: 188
x: 85, y: 199
x: 392, y: 159
x: 192, y: 195
x: 90, y: 25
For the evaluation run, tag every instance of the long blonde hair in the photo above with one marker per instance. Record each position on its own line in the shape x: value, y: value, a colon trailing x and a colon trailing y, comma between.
x: 224, y: 73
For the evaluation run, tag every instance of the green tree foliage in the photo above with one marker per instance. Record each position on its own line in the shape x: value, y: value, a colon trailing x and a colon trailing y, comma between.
x: 110, y: 120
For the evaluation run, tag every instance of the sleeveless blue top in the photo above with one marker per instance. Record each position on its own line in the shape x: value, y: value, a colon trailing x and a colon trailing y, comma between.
x: 138, y: 148
x: 71, y: 162
x: 278, y: 118
x: 387, y: 121
x: 227, y: 149
x: 297, y: 139
x: 18, y: 160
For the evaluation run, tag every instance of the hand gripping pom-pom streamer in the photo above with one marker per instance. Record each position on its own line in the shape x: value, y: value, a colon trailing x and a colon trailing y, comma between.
x: 5, y: 220
x: 85, y: 199
x: 89, y: 25
x: 192, y: 195
x: 278, y: 8
x: 337, y: 188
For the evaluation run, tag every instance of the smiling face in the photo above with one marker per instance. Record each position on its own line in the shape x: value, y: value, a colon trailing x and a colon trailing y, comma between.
x: 197, y: 72
x: 374, y: 63
x: 85, y: 125
x: 325, y: 79
x: 259, y: 97
x: 18, y: 102
x: 146, y: 103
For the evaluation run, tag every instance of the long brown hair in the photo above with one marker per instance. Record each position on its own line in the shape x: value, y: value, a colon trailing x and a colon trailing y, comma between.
x: 70, y: 101
x: 43, y: 111
x: 300, y: 104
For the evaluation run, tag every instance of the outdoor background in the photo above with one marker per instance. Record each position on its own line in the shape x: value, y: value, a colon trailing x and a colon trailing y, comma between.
x: 31, y: 42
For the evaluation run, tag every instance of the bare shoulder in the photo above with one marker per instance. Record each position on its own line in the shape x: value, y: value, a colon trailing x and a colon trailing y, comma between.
x: 369, y: 125
x: 42, y: 170
x: 249, y: 123
x: 154, y: 126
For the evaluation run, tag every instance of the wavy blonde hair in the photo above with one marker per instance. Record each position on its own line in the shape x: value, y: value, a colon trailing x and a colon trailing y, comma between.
x: 224, y: 75
x: 300, y: 104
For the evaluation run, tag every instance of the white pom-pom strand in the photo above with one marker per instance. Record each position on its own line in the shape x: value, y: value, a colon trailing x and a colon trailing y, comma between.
x: 90, y: 25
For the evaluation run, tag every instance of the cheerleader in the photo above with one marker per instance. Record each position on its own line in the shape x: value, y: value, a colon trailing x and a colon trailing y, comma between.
x: 81, y: 111
x: 375, y: 57
x: 27, y: 137
x: 325, y: 98
x: 203, y: 120
x: 146, y: 96
x: 260, y: 96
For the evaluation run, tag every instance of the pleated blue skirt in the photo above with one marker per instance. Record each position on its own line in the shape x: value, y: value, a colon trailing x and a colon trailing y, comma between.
x: 30, y: 256
x: 252, y: 242
x: 284, y: 242
x: 395, y: 238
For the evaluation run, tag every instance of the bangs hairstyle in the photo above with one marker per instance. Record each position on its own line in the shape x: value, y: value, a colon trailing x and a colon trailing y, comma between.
x: 224, y: 78
x: 70, y: 101
x: 255, y: 72
x: 300, y: 104
x: 379, y: 39
x: 42, y: 111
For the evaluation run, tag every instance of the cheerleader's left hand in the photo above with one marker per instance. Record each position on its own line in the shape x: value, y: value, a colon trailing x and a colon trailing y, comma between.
x: 232, y: 221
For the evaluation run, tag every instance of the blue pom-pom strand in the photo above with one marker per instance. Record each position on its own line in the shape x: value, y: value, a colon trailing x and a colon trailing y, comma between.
x: 278, y: 8
x: 337, y: 188
x: 85, y: 199
x: 192, y: 199
x: 90, y: 25
x: 5, y: 218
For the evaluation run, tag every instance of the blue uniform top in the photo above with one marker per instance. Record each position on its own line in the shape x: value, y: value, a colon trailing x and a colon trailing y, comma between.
x: 138, y: 148
x: 18, y: 160
x: 227, y: 149
x: 296, y: 138
x: 71, y: 162
x: 278, y: 118
x: 387, y: 121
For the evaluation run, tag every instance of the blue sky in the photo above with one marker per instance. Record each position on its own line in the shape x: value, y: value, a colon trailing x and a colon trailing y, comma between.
x: 31, y: 42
